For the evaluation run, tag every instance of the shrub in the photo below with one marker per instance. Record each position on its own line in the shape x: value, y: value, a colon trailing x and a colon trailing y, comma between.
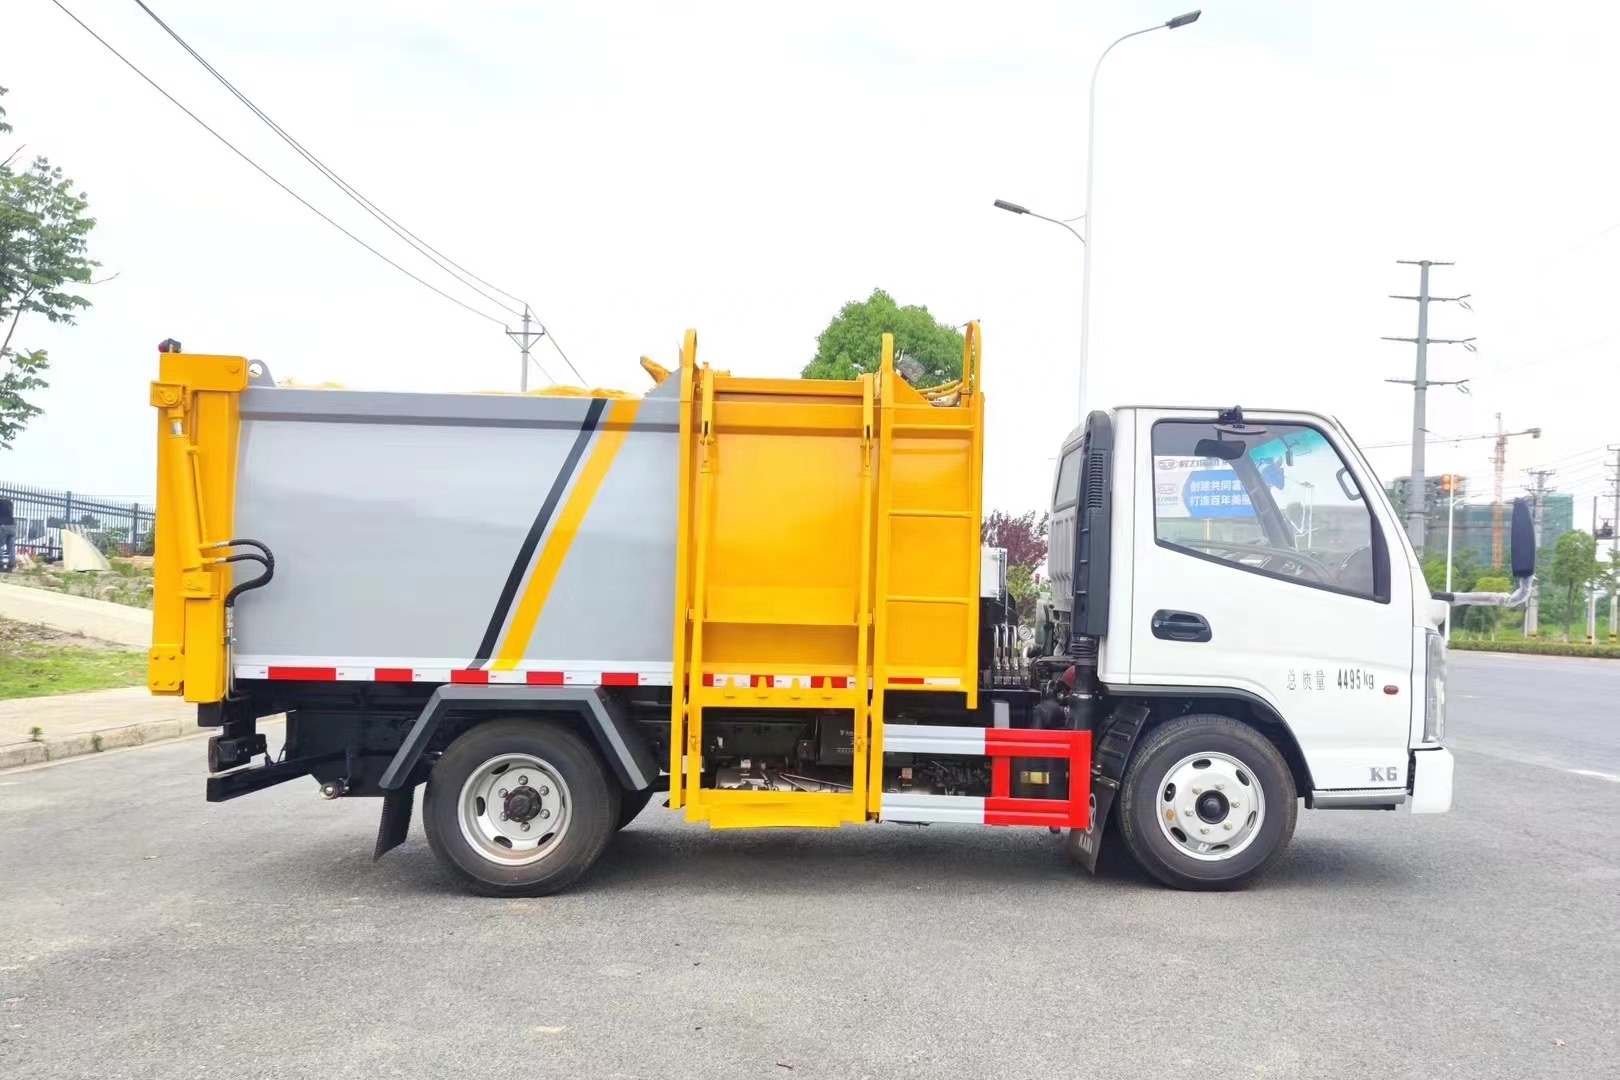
x: 1540, y: 648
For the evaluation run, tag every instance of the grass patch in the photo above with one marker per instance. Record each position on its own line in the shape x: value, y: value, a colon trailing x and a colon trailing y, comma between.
x: 37, y: 662
x: 129, y: 582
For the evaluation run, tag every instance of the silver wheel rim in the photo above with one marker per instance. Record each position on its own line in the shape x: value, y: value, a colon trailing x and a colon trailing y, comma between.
x: 1210, y: 806
x: 514, y: 809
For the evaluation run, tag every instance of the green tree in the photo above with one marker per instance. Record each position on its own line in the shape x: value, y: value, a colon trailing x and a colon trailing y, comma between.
x: 1573, y: 565
x: 852, y: 344
x: 1021, y: 583
x: 42, y: 250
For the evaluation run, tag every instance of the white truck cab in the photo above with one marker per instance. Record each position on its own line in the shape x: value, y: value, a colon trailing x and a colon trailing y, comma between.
x: 1247, y: 566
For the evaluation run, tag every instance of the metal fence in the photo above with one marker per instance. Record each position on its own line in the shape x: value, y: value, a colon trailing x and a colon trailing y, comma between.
x: 35, y: 517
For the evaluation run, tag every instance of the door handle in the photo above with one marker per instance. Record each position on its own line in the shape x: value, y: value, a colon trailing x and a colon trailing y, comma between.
x: 1180, y: 626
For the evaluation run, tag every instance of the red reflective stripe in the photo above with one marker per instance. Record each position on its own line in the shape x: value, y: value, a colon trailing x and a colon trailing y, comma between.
x: 545, y: 678
x: 905, y: 680
x: 303, y: 674
x: 1000, y: 777
x: 759, y: 680
x: 620, y: 678
x: 463, y: 675
x: 1030, y: 742
x: 394, y: 674
x: 1029, y: 812
x: 708, y: 680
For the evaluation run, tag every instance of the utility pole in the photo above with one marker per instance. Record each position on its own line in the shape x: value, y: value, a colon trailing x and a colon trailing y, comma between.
x: 1614, y: 546
x: 1532, y: 611
x: 526, y: 339
x: 1417, y: 493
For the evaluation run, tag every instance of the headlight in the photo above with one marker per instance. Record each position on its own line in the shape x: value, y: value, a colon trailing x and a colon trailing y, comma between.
x: 1434, y: 701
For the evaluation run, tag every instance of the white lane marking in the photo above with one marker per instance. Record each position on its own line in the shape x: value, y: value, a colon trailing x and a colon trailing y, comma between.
x: 1610, y: 777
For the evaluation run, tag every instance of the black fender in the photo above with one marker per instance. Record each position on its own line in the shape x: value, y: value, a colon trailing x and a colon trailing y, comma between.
x: 613, y: 733
x: 1110, y: 751
x: 603, y: 718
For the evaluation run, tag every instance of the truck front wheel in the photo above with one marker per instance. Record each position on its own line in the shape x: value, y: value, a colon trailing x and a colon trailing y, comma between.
x: 519, y: 808
x: 1206, y: 803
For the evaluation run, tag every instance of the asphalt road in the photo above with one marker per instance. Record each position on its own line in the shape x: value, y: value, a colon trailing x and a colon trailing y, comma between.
x: 148, y: 934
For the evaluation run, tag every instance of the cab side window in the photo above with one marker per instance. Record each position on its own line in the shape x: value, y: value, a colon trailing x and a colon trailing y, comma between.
x: 1068, y: 480
x: 1276, y: 500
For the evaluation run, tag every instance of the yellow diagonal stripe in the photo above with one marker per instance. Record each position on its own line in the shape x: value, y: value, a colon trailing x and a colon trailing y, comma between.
x: 621, y: 414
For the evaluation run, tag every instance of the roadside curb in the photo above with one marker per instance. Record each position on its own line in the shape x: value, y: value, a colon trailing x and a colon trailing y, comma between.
x: 55, y: 748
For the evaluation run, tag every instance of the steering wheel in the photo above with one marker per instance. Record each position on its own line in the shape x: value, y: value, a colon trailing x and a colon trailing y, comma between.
x: 1311, y: 567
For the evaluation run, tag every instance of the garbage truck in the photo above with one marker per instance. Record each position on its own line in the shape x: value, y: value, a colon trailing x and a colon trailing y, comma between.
x: 765, y: 603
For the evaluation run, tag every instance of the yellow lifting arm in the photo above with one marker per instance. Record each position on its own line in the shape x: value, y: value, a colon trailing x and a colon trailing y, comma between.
x: 197, y: 399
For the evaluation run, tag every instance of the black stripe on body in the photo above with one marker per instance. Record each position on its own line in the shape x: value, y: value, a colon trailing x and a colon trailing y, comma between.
x: 520, y: 565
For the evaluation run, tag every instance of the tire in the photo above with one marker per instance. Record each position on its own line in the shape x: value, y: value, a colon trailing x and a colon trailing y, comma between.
x: 548, y: 778
x: 1222, y: 837
x: 631, y: 804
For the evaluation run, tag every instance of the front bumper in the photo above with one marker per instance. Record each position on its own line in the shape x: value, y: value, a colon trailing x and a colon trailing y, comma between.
x: 1431, y: 781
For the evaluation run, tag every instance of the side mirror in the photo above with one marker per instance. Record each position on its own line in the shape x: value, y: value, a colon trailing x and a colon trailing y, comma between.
x: 1522, y: 544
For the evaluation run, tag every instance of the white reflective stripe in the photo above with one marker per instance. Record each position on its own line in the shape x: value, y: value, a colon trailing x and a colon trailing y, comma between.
x: 438, y: 670
x: 654, y: 668
x: 932, y: 739
x: 945, y: 809
x: 942, y: 682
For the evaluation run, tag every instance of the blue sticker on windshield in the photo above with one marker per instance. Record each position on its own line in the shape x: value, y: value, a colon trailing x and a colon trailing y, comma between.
x: 1213, y: 493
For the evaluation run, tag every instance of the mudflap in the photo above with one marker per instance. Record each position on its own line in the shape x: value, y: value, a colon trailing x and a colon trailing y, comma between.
x: 1113, y: 750
x: 396, y: 820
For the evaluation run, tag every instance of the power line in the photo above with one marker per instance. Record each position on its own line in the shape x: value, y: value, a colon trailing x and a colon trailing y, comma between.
x: 261, y: 170
x: 434, y: 255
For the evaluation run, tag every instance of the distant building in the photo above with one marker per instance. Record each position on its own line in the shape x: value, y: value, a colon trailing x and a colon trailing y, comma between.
x: 1473, y: 527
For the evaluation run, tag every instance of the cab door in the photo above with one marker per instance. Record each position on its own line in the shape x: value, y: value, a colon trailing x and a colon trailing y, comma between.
x: 1263, y: 566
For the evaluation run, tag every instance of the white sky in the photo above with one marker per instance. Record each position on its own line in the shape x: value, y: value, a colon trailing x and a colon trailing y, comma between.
x: 636, y: 168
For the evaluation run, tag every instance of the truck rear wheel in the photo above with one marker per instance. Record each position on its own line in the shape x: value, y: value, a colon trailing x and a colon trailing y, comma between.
x: 1206, y: 803
x: 519, y: 808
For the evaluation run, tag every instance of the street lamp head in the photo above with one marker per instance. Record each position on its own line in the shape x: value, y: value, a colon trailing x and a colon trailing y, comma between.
x: 1003, y: 204
x: 1183, y: 20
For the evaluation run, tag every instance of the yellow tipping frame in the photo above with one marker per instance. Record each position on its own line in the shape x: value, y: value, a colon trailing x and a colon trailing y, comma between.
x: 828, y: 554
x: 197, y: 398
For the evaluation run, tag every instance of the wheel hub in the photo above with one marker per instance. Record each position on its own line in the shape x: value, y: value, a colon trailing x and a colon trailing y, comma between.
x: 523, y: 804
x: 1210, y: 806
x: 514, y: 809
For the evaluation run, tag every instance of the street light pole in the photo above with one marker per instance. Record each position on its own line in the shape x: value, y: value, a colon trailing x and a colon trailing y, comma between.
x: 1091, y: 162
x: 1012, y: 207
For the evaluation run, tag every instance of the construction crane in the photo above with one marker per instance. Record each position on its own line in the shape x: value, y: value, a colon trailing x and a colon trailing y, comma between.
x: 1499, y: 461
